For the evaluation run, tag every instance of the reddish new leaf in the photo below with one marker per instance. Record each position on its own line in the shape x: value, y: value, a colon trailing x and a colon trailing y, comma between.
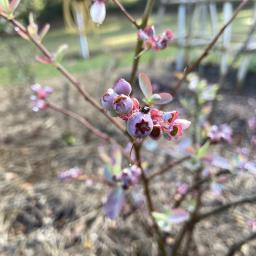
x: 44, y: 59
x: 145, y: 85
x: 164, y: 98
x: 14, y: 4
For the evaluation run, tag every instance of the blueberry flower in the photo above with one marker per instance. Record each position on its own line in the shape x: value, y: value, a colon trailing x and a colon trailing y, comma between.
x: 218, y: 133
x: 140, y: 125
x: 129, y: 176
x: 122, y: 104
x: 108, y: 99
x: 153, y: 41
x: 143, y: 121
x: 40, y: 96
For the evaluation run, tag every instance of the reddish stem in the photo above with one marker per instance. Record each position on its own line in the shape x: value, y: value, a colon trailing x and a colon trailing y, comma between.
x: 67, y: 75
x: 129, y: 17
x: 81, y: 120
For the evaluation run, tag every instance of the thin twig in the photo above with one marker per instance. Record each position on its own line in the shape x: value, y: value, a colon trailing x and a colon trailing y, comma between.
x: 236, y: 246
x: 139, y: 45
x: 83, y: 121
x: 96, y: 179
x: 189, y: 226
x: 246, y: 200
x: 150, y: 206
x: 124, y: 11
x: 199, y: 183
x: 168, y: 167
x: 67, y: 75
x: 194, y: 65
x: 245, y: 43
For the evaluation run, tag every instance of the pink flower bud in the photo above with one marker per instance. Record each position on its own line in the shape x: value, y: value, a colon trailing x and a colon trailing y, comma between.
x: 108, y: 99
x: 122, y: 87
x: 98, y: 11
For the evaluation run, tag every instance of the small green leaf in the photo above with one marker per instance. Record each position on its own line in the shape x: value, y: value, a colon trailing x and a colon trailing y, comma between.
x: 159, y: 216
x: 116, y: 161
x: 60, y: 53
x: 202, y: 151
x: 5, y: 5
x: 108, y: 174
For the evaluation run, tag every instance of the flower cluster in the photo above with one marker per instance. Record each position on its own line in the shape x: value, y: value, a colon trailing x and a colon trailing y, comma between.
x: 120, y: 180
x: 218, y: 133
x: 39, y: 98
x: 153, y: 41
x: 98, y: 11
x: 128, y: 177
x: 143, y: 121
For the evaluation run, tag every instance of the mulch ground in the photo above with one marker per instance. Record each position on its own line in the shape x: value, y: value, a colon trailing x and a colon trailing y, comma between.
x: 41, y: 215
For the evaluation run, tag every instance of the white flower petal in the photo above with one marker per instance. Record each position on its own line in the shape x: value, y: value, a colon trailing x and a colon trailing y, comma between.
x: 98, y: 12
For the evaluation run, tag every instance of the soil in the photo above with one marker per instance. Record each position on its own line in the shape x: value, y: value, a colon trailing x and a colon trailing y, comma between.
x: 42, y: 215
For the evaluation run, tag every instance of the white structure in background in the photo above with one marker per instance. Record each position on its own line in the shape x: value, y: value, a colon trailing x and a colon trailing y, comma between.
x: 79, y: 18
x: 198, y: 22
x: 227, y: 13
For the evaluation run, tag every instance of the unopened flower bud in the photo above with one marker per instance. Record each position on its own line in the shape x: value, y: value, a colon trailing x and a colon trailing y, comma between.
x: 98, y: 11
x: 122, y: 104
x: 108, y: 99
x: 122, y: 87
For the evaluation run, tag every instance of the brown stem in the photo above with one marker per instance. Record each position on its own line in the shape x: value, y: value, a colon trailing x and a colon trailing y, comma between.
x: 67, y: 75
x: 168, y: 167
x: 129, y: 17
x: 194, y: 65
x: 189, y: 226
x: 199, y: 183
x: 96, y: 179
x: 83, y: 121
x: 139, y: 45
x: 236, y: 247
x: 150, y: 206
x: 246, y: 200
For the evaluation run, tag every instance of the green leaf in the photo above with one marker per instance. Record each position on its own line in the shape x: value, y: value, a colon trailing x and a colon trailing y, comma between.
x: 202, y: 151
x: 5, y: 5
x: 145, y: 85
x: 60, y: 53
x: 116, y: 161
x: 159, y: 216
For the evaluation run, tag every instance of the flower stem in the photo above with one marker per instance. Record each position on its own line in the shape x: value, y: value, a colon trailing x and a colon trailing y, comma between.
x: 129, y: 17
x: 67, y: 75
x: 149, y: 202
x: 139, y: 45
x: 81, y: 120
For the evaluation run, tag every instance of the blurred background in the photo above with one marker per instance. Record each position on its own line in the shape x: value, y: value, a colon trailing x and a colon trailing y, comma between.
x: 193, y: 22
x: 41, y: 216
